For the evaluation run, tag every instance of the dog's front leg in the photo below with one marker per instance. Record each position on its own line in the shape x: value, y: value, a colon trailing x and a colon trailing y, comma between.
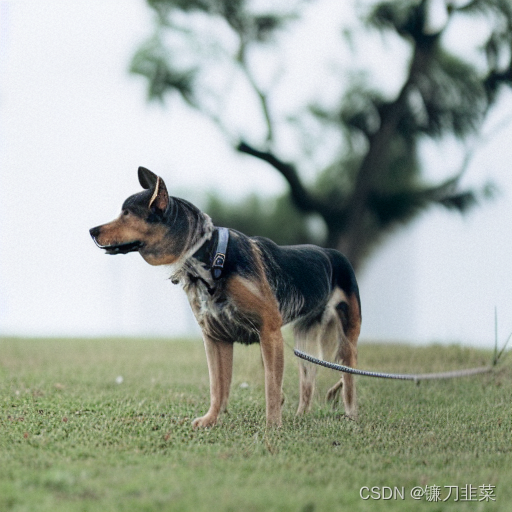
x: 219, y: 355
x: 272, y: 351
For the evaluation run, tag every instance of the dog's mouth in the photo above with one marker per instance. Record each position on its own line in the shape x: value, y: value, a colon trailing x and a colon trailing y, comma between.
x: 123, y: 248
x: 120, y: 248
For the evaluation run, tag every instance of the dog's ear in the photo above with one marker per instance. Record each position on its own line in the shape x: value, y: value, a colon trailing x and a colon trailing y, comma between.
x: 147, y: 179
x: 160, y: 198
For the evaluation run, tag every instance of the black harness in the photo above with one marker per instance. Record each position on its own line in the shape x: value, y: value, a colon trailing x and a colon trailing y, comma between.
x: 215, y: 259
x: 219, y: 258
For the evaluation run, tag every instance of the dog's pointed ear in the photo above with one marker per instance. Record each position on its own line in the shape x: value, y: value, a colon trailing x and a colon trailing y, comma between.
x: 147, y: 179
x: 160, y: 198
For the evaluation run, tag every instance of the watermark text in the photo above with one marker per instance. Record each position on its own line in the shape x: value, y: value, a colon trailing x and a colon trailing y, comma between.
x: 431, y: 493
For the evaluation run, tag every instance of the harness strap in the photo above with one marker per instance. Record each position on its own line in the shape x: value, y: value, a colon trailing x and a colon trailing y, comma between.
x: 220, y: 253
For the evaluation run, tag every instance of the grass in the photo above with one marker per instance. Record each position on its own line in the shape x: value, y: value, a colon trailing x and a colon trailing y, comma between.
x: 74, y: 439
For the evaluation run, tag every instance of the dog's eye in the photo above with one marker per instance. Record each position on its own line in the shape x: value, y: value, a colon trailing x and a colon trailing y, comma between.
x: 125, y: 212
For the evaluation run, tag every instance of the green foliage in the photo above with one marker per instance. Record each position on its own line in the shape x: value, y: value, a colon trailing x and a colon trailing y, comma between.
x: 254, y: 26
x: 173, y: 59
x: 152, y: 62
x: 72, y: 439
x: 408, y: 18
x: 454, y: 98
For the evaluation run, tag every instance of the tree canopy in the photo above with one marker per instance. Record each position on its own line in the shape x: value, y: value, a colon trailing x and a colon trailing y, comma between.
x: 229, y: 59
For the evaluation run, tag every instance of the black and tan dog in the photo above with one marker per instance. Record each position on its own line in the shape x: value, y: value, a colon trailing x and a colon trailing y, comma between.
x: 245, y: 289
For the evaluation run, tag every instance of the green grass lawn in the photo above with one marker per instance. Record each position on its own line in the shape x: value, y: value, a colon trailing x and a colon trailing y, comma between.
x: 72, y: 438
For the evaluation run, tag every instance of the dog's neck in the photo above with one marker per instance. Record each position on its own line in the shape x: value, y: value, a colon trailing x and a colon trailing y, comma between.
x: 203, y: 254
x: 197, y: 260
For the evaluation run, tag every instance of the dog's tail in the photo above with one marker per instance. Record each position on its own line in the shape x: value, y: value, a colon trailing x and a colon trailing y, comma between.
x: 343, y: 277
x: 349, y: 313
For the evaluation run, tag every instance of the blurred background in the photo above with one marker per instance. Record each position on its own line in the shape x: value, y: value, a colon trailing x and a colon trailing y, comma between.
x: 381, y: 128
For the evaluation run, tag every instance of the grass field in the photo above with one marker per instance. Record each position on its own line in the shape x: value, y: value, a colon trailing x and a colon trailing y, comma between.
x: 104, y: 425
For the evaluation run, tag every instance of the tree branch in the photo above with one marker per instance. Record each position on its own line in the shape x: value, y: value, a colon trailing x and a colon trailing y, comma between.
x: 263, y: 102
x: 300, y: 196
x: 242, y: 61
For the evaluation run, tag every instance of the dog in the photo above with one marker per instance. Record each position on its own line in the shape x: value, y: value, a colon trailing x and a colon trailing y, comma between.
x: 244, y: 289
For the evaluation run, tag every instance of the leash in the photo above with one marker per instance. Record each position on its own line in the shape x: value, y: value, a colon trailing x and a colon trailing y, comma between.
x: 416, y: 377
x: 398, y: 376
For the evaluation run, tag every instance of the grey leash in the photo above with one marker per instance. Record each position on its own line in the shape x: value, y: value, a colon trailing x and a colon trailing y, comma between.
x: 398, y: 376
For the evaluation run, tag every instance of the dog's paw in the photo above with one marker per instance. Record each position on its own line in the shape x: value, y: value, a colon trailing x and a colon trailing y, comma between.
x: 274, y: 421
x: 206, y: 421
x: 351, y: 414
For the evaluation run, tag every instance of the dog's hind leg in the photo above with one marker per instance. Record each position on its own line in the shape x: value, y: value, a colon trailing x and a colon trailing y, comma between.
x: 350, y: 319
x: 348, y: 357
x: 333, y: 338
x: 219, y: 355
x: 333, y: 394
x: 307, y: 340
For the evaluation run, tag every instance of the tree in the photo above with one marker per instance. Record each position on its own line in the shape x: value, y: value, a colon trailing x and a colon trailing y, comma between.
x: 208, y: 51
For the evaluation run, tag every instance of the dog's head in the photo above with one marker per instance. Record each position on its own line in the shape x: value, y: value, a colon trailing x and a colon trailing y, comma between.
x: 161, y: 228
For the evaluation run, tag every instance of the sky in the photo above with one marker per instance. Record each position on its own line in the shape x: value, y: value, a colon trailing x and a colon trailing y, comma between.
x: 75, y: 126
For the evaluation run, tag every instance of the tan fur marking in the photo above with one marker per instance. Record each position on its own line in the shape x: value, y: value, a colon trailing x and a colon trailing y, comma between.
x: 130, y: 228
x: 354, y: 320
x: 257, y: 298
x: 250, y: 297
x: 126, y: 228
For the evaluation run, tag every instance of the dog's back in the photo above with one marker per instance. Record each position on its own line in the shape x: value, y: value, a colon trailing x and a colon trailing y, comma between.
x: 303, y: 278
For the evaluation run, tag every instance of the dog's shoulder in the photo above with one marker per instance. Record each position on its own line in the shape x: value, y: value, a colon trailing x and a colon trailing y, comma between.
x: 243, y: 255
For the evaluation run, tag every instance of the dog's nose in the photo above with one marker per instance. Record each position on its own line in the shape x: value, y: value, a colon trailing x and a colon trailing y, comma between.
x: 94, y: 232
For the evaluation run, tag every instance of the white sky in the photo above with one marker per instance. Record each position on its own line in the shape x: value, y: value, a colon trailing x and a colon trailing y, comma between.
x: 74, y: 127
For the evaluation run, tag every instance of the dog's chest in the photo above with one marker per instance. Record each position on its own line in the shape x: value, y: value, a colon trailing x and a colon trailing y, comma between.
x: 217, y: 315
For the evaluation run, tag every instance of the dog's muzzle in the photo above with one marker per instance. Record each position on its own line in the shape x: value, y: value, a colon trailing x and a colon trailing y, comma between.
x: 116, y: 248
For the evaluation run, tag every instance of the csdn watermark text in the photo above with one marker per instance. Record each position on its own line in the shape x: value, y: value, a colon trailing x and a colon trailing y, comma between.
x: 431, y: 493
